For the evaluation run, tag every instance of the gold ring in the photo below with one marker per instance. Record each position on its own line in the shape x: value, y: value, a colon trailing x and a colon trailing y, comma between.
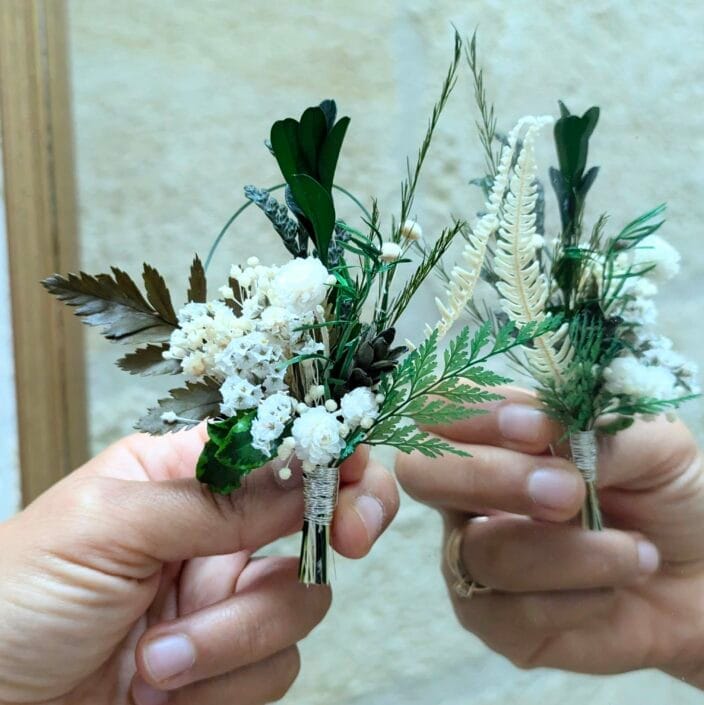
x: 463, y: 584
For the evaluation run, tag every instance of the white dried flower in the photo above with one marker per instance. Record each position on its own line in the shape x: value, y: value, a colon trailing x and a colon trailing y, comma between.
x: 641, y: 311
x: 628, y: 376
x: 654, y: 251
x: 317, y: 436
x: 390, y: 252
x: 204, y: 331
x: 273, y: 415
x: 239, y: 394
x: 411, y: 230
x: 358, y: 404
x: 300, y: 285
x: 277, y: 320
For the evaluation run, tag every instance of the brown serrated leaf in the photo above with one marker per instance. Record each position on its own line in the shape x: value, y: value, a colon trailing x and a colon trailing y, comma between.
x: 149, y: 361
x: 195, y: 402
x: 197, y: 285
x: 113, y: 303
x: 235, y: 305
x: 158, y: 294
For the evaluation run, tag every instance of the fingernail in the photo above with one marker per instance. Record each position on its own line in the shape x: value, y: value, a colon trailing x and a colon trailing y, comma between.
x: 552, y: 488
x: 144, y: 694
x: 371, y: 512
x: 520, y: 422
x: 169, y: 656
x: 648, y: 557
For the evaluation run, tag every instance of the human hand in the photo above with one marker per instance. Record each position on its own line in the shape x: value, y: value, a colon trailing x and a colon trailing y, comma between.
x: 562, y: 597
x: 128, y: 582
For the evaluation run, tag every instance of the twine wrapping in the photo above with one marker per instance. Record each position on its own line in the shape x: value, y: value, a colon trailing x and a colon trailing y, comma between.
x: 584, y: 453
x: 320, y: 495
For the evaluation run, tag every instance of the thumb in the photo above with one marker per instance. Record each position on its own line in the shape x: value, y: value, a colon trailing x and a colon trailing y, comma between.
x: 136, y: 525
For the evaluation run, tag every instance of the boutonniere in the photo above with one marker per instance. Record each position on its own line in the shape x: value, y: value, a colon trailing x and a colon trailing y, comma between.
x: 299, y: 362
x: 607, y: 363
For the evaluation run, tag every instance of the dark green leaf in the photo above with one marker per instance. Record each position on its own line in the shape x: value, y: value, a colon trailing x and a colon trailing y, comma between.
x: 286, y: 148
x: 317, y: 204
x: 587, y: 181
x: 312, y: 131
x: 149, y: 360
x: 158, y: 294
x: 330, y: 152
x: 228, y: 455
x: 329, y: 108
x: 113, y: 303
x: 192, y: 403
x: 197, y: 286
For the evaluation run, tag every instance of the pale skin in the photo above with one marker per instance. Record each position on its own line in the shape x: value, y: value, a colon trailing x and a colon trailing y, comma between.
x: 623, y: 599
x: 130, y: 553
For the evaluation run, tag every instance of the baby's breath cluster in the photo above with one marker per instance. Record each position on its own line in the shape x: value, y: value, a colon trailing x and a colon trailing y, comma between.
x: 244, y: 339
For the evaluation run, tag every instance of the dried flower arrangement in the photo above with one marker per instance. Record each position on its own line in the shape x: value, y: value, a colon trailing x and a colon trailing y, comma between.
x: 607, y: 363
x: 299, y: 362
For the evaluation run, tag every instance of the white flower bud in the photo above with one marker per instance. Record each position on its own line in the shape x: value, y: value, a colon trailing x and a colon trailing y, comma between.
x: 366, y: 423
x: 411, y: 230
x: 344, y: 430
x: 316, y: 391
x: 331, y: 405
x: 331, y: 280
x: 253, y: 261
x: 169, y: 417
x: 302, y: 408
x: 379, y: 399
x: 285, y: 473
x: 226, y: 292
x: 390, y: 252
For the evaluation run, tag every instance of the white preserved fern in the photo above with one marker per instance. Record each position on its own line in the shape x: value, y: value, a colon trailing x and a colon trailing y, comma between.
x: 523, y: 287
x: 464, y: 276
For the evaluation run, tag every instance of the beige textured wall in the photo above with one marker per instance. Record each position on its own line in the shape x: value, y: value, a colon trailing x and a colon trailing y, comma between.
x: 172, y: 102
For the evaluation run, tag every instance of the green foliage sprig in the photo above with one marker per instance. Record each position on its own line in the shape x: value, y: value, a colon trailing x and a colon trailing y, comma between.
x: 423, y: 391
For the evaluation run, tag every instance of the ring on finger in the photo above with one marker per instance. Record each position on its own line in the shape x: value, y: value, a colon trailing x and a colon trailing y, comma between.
x: 463, y: 584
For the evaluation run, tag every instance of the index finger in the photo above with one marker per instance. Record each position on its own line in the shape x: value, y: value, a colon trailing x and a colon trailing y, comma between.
x: 516, y: 422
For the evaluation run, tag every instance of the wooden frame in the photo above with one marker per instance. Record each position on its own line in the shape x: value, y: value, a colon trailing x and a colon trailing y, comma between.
x: 42, y: 238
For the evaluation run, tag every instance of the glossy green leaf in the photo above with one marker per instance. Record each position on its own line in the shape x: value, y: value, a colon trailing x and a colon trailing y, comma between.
x: 331, y: 152
x: 317, y: 204
x: 286, y: 147
x: 228, y: 455
x: 312, y: 131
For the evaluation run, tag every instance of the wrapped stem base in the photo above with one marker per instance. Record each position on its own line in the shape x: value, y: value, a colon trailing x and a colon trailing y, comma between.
x: 585, y: 454
x: 320, y: 486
